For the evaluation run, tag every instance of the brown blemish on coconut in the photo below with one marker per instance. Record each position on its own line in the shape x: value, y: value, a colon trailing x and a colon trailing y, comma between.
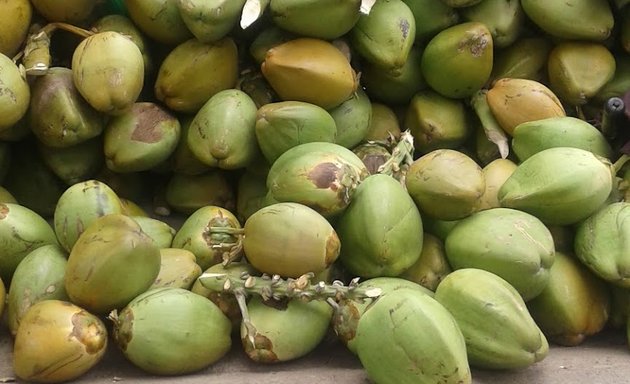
x: 404, y: 28
x: 374, y: 161
x: 148, y: 119
x: 333, y: 246
x: 4, y: 211
x: 476, y: 43
x: 57, y: 81
x: 261, y: 351
x: 346, y: 321
x: 123, y: 325
x: 89, y: 332
x: 281, y: 304
x: 324, y: 175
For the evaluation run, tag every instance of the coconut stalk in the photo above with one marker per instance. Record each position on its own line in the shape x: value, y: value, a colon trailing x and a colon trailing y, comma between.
x: 36, y: 57
x: 402, y: 157
x: 276, y: 288
x: 491, y: 127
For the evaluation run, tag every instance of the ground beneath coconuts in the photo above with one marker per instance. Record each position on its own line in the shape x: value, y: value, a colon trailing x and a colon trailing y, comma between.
x: 602, y: 359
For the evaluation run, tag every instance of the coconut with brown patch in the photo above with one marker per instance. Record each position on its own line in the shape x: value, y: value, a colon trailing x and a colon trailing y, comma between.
x: 141, y: 138
x: 320, y: 175
x: 272, y: 336
x: 348, y: 312
x: 171, y: 331
x: 205, y: 233
x: 58, y: 114
x: 457, y: 62
x: 385, y: 36
x: 70, y: 342
x: 373, y: 155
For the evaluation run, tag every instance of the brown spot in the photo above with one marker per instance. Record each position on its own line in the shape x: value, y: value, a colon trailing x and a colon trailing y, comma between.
x: 4, y: 211
x: 333, y: 246
x: 374, y: 161
x: 228, y: 304
x: 57, y: 81
x: 280, y: 305
x: 123, y: 324
x: 346, y: 320
x: 261, y: 351
x: 404, y: 28
x: 219, y: 221
x: 324, y: 175
x: 89, y: 331
x: 148, y: 119
x: 475, y: 43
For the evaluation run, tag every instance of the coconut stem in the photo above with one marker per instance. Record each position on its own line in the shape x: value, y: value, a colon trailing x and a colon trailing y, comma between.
x: 228, y: 230
x: 231, y: 251
x: 401, y: 159
x: 36, y: 54
x: 51, y: 27
x: 620, y: 163
x: 349, y: 182
x: 491, y: 127
x: 274, y: 287
x: 241, y: 299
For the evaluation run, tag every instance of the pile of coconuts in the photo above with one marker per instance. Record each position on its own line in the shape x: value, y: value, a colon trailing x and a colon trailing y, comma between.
x: 440, y: 185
